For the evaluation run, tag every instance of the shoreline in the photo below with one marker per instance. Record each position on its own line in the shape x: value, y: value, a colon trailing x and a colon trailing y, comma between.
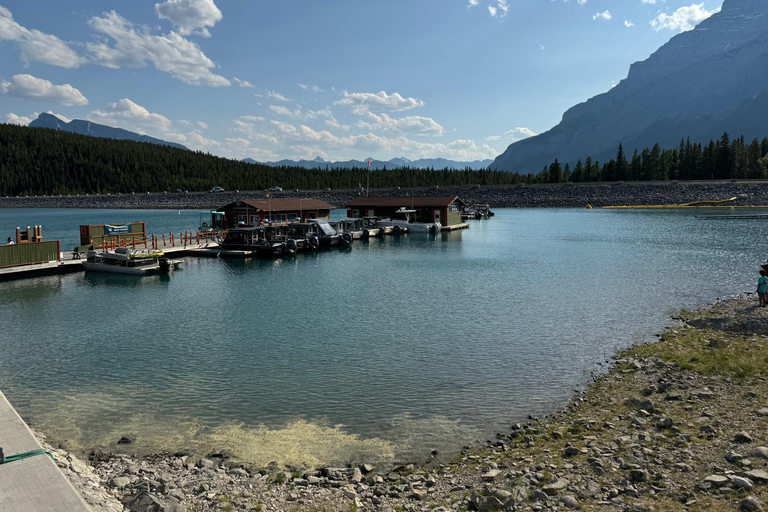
x: 676, y: 424
x: 748, y: 193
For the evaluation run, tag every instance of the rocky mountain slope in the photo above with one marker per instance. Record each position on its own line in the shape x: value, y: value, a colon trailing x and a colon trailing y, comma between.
x: 700, y: 84
x: 83, y: 127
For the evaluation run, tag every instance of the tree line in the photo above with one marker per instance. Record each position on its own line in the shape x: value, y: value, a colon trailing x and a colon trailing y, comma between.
x: 716, y: 160
x: 37, y: 161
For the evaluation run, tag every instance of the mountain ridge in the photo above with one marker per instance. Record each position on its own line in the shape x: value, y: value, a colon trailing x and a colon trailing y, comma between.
x: 83, y: 127
x: 695, y: 85
x: 422, y: 163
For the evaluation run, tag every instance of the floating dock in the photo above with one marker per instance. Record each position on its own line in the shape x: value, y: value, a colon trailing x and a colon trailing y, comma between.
x: 755, y: 216
x: 33, y: 482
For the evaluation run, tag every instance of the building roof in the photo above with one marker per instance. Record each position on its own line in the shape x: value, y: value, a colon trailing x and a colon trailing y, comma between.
x: 406, y: 201
x: 280, y: 205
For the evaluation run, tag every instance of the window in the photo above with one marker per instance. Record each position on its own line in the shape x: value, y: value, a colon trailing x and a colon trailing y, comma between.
x: 454, y: 207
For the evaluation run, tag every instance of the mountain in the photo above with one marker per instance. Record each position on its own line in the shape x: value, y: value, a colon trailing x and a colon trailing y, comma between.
x: 82, y: 127
x: 423, y: 163
x: 703, y: 82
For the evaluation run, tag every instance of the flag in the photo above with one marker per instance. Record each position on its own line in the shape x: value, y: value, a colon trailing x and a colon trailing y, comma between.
x: 369, y: 163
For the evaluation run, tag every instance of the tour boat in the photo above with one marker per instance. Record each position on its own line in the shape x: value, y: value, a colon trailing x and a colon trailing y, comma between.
x: 262, y: 240
x: 404, y: 218
x: 129, y: 261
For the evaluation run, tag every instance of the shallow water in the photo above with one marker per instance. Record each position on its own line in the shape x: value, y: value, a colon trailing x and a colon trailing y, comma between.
x: 384, y: 351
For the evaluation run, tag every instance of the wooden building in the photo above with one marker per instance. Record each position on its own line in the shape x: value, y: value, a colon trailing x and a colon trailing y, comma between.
x: 253, y: 212
x: 443, y: 209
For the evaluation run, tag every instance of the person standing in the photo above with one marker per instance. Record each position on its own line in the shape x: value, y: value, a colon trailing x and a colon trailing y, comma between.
x: 762, y: 289
x: 9, y: 242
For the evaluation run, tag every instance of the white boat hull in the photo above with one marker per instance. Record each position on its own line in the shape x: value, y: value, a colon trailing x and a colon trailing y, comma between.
x: 117, y: 269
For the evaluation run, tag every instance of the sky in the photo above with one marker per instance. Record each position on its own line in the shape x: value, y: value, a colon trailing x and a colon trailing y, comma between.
x: 338, y: 79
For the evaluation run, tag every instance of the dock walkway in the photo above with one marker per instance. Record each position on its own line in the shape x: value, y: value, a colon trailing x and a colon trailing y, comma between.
x: 33, y: 484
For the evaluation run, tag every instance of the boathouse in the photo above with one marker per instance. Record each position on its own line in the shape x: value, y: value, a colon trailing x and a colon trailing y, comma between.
x: 443, y: 209
x: 253, y: 212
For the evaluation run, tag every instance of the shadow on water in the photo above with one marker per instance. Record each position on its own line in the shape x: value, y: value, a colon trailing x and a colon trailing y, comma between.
x: 100, y: 279
x: 30, y: 290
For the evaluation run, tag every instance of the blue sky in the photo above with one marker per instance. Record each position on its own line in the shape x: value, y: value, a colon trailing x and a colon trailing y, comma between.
x: 273, y: 79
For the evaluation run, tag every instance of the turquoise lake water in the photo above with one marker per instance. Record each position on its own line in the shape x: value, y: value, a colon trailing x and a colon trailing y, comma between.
x: 385, y: 351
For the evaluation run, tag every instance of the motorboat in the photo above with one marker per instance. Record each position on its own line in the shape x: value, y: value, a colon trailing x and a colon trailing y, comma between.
x: 124, y: 260
x: 348, y: 225
x: 371, y: 227
x: 328, y: 236
x: 404, y: 218
x: 267, y: 241
x: 477, y: 212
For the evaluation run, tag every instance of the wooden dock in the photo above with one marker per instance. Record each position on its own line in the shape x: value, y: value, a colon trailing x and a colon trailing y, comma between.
x: 35, y: 483
x: 463, y: 225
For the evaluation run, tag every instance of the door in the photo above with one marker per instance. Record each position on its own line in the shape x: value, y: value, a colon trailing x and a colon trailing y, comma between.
x: 437, y: 216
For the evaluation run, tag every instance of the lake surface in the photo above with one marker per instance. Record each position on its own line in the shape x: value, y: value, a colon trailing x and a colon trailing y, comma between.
x: 381, y: 352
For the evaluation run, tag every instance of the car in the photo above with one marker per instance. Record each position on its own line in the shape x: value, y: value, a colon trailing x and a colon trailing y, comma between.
x: 176, y: 191
x: 217, y: 189
x: 275, y: 189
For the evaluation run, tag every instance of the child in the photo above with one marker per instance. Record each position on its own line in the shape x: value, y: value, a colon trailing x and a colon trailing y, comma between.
x: 762, y: 289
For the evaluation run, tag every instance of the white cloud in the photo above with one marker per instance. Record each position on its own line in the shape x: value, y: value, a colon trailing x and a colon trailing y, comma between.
x: 202, y: 124
x: 195, y: 140
x: 131, y: 116
x: 365, y: 102
x: 333, y: 123
x: 628, y: 24
x: 683, y: 19
x: 36, y: 46
x: 242, y: 83
x: 496, y: 8
x: 276, y: 96
x: 284, y: 111
x: 406, y: 125
x: 605, y: 15
x: 170, y: 53
x: 514, y: 134
x: 189, y: 16
x: 312, y: 88
x: 12, y: 118
x: 253, y: 119
x: 33, y: 88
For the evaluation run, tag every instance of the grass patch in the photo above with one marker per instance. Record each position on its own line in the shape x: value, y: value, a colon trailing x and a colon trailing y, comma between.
x: 710, y: 352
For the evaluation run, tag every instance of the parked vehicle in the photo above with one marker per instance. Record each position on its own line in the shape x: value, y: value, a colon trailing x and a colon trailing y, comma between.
x: 217, y: 189
x: 404, y: 218
x: 275, y: 189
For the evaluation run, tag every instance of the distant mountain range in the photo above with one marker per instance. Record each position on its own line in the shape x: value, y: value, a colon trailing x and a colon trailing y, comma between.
x: 703, y: 82
x: 83, y: 127
x: 422, y: 163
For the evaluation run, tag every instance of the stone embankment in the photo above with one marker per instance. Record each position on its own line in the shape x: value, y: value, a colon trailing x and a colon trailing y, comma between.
x: 562, y: 195
x: 680, y: 424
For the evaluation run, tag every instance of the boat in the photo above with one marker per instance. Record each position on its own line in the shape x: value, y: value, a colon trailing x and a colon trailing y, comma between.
x: 352, y: 226
x: 477, y: 212
x: 124, y: 260
x: 371, y: 227
x: 267, y: 241
x: 328, y: 236
x: 404, y: 218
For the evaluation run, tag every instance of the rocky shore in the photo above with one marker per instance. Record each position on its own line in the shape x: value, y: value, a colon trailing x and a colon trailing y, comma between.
x: 679, y: 424
x: 559, y: 195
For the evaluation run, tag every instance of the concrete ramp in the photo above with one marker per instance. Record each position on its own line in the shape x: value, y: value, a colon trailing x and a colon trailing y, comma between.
x: 33, y: 484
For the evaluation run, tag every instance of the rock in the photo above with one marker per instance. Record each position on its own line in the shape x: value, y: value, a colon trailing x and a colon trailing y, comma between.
x: 555, y: 487
x: 120, y: 482
x: 126, y: 439
x: 665, y: 422
x: 491, y: 475
x: 763, y: 411
x: 733, y: 457
x: 742, y: 483
x: 367, y: 468
x: 761, y: 452
x: 750, y: 504
x: 758, y: 475
x: 639, y: 475
x: 205, y: 463
x: 144, y: 502
x: 646, y: 405
x: 419, y: 494
x: 742, y: 437
x: 485, y: 503
x: 569, y: 501
x: 716, y: 480
x: 570, y: 451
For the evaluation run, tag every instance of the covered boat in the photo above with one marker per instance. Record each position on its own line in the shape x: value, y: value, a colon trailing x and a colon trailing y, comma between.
x: 124, y: 260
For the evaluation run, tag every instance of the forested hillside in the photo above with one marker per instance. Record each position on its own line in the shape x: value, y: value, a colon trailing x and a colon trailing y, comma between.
x: 717, y: 160
x: 44, y: 161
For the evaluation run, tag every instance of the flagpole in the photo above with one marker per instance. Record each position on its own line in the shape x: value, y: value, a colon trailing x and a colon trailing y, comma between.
x: 368, y: 188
